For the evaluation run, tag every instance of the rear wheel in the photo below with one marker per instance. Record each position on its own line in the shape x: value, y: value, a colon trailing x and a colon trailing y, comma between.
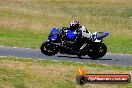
x: 79, y: 55
x: 97, y: 50
x: 49, y: 49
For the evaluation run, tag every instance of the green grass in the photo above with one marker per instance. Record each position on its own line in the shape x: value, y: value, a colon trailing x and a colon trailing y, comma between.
x: 21, y: 38
x: 30, y: 73
x: 26, y: 23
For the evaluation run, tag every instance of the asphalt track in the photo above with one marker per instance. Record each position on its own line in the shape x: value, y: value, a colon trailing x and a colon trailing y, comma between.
x: 108, y: 59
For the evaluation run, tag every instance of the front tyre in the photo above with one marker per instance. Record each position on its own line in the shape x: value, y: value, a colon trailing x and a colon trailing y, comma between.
x: 49, y: 49
x: 97, y: 50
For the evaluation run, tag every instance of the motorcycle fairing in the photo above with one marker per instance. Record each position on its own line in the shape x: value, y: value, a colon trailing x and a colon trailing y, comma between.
x: 53, y: 36
x: 71, y: 35
x: 98, y: 36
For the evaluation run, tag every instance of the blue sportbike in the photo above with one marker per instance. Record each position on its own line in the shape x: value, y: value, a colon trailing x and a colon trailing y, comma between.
x: 91, y: 44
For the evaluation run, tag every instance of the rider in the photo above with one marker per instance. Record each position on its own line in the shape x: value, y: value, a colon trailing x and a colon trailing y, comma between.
x: 76, y: 27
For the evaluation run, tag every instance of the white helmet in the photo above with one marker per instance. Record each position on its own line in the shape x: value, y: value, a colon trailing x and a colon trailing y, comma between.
x: 74, y: 25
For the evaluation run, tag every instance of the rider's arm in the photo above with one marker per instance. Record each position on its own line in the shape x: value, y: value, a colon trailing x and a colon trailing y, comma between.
x: 84, y: 32
x: 63, y: 37
x: 84, y: 29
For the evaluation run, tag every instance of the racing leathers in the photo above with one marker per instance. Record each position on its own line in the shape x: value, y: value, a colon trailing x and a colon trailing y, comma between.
x: 79, y: 40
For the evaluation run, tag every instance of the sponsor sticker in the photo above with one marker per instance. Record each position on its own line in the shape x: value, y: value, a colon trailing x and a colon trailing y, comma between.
x: 83, y: 78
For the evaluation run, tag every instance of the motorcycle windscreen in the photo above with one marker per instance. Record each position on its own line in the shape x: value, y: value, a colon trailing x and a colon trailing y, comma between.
x: 71, y: 34
x: 55, y: 31
x: 54, y: 34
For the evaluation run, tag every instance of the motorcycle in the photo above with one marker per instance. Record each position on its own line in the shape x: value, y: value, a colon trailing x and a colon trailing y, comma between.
x: 91, y: 44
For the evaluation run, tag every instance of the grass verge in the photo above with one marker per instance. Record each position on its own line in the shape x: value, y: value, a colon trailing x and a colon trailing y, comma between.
x: 31, y: 73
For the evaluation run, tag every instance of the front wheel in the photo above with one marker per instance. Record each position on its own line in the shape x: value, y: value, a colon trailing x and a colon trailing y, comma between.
x: 49, y: 49
x: 97, y: 50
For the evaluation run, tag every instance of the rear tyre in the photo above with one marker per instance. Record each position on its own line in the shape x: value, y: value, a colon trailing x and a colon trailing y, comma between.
x: 79, y: 55
x: 49, y: 49
x: 97, y: 50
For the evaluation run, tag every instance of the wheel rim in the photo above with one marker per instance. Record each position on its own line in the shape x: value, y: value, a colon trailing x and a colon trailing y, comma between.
x: 49, y: 48
x: 97, y: 51
x: 100, y: 50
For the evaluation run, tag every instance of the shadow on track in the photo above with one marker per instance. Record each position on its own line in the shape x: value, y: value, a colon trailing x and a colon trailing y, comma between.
x: 104, y: 59
x: 74, y: 57
x: 82, y: 58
